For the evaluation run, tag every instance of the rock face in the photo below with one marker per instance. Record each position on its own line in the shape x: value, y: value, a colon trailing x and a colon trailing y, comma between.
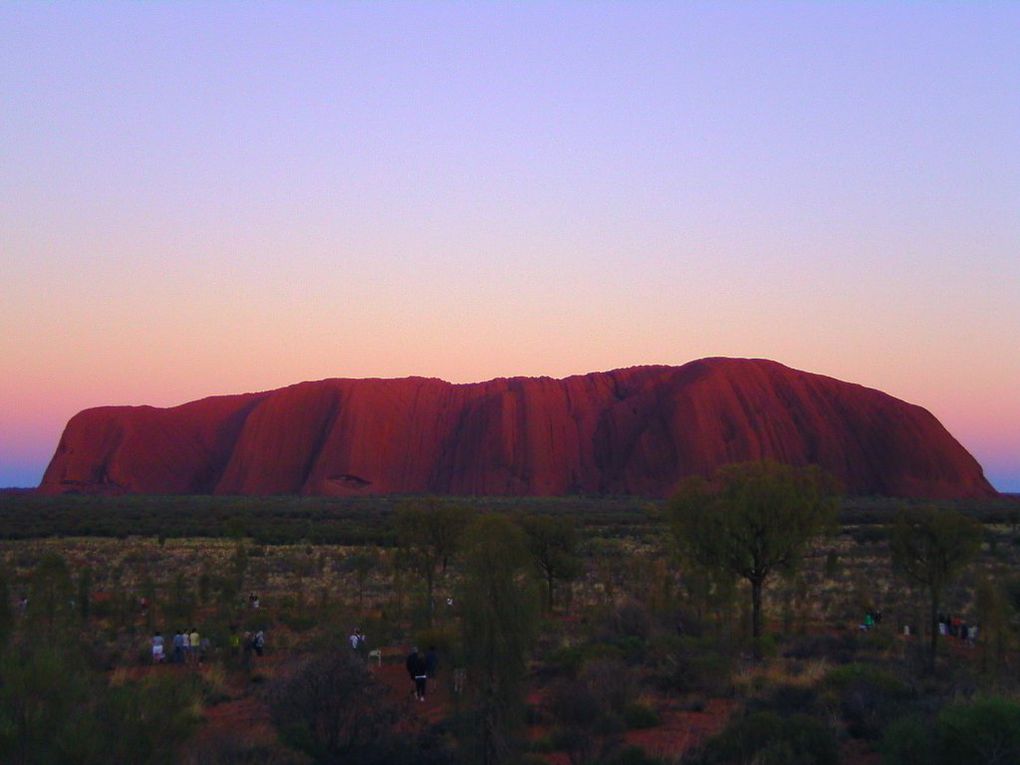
x: 630, y: 431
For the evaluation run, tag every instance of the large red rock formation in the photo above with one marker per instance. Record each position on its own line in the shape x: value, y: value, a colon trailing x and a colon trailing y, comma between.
x: 630, y: 431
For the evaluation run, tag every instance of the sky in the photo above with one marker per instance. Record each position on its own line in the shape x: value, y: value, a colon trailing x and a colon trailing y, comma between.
x: 203, y: 198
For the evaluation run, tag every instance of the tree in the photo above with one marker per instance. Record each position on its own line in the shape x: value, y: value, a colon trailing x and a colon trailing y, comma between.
x: 499, y: 605
x: 992, y: 609
x: 55, y: 707
x: 6, y: 615
x: 751, y: 520
x: 931, y: 547
x: 428, y: 535
x: 552, y: 543
x: 85, y: 594
x: 362, y: 564
x: 50, y: 605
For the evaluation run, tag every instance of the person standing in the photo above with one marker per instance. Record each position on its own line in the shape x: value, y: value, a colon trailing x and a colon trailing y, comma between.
x: 157, y: 649
x: 259, y: 642
x: 193, y: 644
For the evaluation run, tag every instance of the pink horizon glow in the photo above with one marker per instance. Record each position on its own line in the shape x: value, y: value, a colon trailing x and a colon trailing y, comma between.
x: 211, y: 200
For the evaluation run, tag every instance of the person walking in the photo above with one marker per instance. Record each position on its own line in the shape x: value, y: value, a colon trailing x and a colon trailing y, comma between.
x: 415, y: 665
x: 193, y: 644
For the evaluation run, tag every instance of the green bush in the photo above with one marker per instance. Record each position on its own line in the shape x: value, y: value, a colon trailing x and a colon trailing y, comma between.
x: 765, y: 738
x: 567, y: 659
x: 444, y: 640
x: 631, y: 755
x: 908, y: 741
x: 866, y: 697
x: 637, y: 716
x: 787, y: 700
x: 985, y: 731
x: 688, y: 664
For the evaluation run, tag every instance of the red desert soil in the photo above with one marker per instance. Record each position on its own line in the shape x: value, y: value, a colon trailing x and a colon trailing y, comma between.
x: 630, y: 431
x: 682, y: 730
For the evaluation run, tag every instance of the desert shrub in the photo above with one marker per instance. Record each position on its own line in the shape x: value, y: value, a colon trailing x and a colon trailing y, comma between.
x: 298, y: 620
x: 839, y: 649
x: 986, y: 731
x: 787, y: 700
x: 908, y: 741
x: 580, y: 745
x: 630, y: 755
x: 765, y: 738
x: 628, y: 620
x: 572, y: 703
x: 143, y: 722
x: 330, y: 707
x: 688, y: 664
x: 766, y: 646
x: 868, y: 535
x: 867, y: 698
x: 43, y: 688
x: 637, y: 716
x: 585, y: 719
x: 236, y: 749
x: 611, y: 682
x: 443, y: 638
x: 566, y: 659
x: 55, y: 708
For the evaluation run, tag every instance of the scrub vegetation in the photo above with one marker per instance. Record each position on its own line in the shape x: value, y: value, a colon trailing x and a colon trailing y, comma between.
x: 576, y: 630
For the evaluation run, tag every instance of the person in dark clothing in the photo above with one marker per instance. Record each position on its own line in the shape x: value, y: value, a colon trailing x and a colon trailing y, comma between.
x: 431, y: 662
x: 415, y: 665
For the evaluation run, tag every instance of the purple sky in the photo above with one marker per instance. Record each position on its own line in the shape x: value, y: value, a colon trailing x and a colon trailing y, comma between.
x: 208, y: 198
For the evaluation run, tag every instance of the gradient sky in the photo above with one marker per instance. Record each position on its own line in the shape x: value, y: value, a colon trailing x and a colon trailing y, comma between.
x: 217, y: 198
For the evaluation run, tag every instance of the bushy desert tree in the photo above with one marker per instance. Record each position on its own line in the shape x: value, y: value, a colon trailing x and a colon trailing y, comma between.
x: 362, y: 564
x: 56, y: 708
x: 329, y: 706
x: 553, y: 546
x: 428, y: 536
x: 50, y: 603
x: 6, y: 614
x: 499, y: 604
x: 930, y: 547
x: 752, y: 520
x: 85, y: 593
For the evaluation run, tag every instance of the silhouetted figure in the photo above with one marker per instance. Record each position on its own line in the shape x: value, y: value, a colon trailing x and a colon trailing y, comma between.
x: 415, y: 665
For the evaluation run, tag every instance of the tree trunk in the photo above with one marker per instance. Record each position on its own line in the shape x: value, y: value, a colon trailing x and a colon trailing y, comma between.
x: 429, y: 585
x: 756, y: 615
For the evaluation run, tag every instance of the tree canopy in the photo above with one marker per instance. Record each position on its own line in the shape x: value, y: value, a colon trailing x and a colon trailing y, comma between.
x: 751, y: 520
x: 930, y: 547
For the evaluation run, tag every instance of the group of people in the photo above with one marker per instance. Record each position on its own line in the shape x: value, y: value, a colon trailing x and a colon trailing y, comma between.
x: 954, y: 626
x: 188, y: 647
